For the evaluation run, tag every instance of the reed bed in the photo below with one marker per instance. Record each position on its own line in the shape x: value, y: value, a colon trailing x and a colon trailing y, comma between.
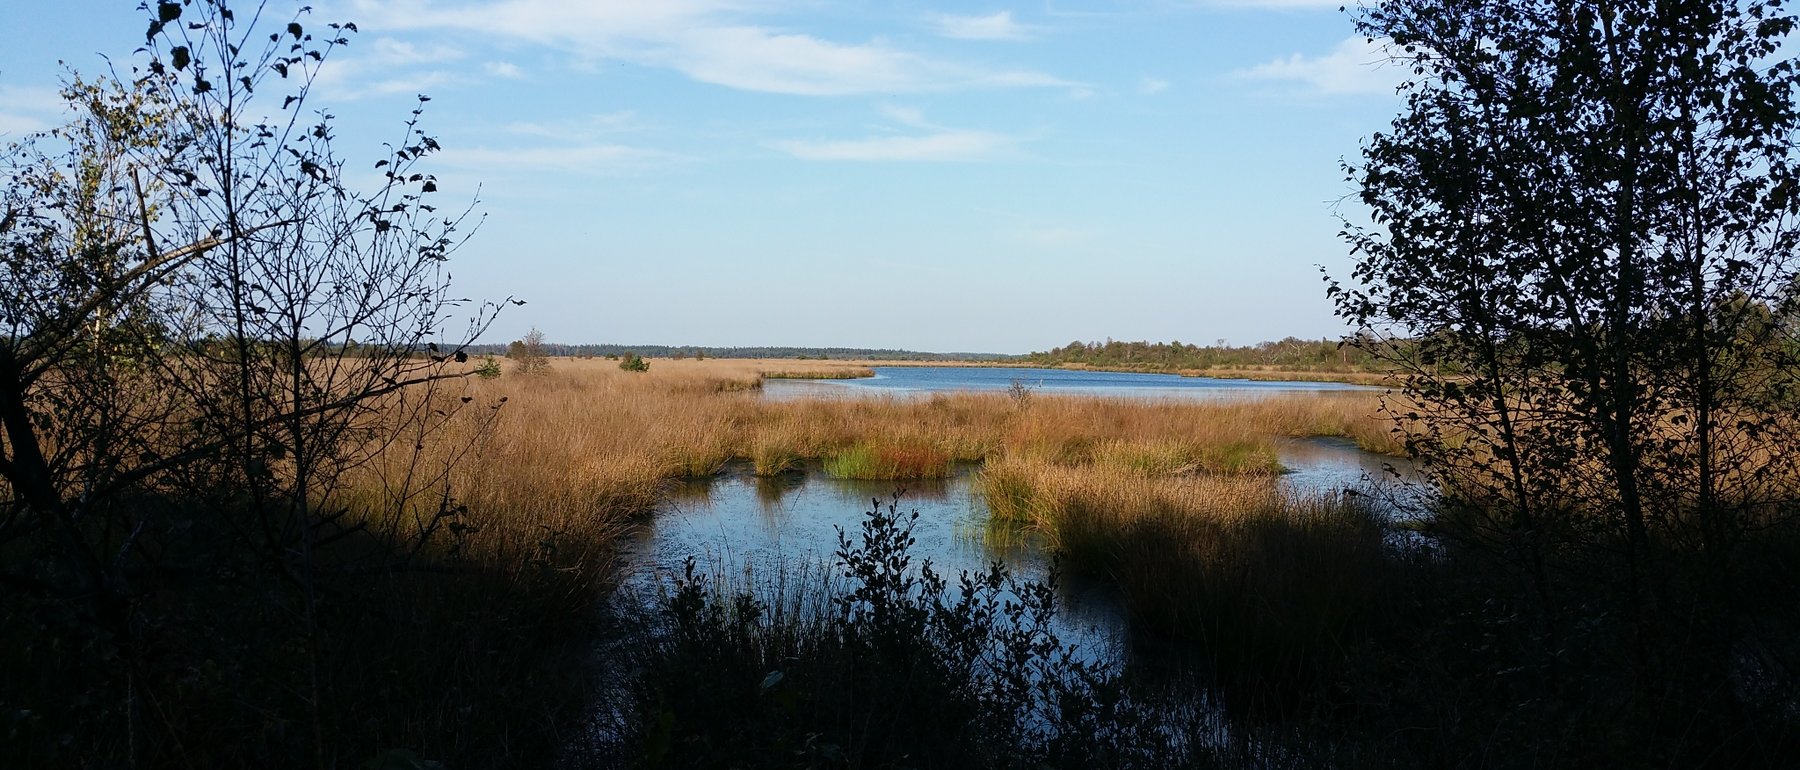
x: 1272, y: 587
x: 572, y: 456
x: 582, y: 449
x: 544, y: 472
x: 1177, y: 503
x: 586, y: 430
x: 585, y: 447
x: 822, y: 373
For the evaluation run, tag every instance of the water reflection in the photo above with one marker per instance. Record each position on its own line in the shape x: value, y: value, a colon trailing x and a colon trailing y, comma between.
x: 692, y: 490
x: 1394, y: 486
x: 771, y: 490
x: 756, y: 530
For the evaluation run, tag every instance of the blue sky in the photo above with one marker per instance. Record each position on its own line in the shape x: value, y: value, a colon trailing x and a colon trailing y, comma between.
x: 977, y: 177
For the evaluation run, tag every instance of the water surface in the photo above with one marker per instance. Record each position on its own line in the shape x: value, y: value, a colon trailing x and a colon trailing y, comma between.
x: 924, y: 380
x: 752, y: 531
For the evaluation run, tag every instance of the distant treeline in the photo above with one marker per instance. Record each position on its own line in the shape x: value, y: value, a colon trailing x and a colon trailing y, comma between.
x: 695, y: 351
x: 1325, y: 355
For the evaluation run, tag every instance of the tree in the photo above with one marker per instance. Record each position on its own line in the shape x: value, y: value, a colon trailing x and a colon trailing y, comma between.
x: 528, y: 354
x: 184, y: 269
x: 1582, y: 219
x: 632, y: 362
x: 488, y: 369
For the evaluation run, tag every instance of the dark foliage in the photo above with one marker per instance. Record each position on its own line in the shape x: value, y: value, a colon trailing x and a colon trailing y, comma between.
x: 1584, y: 223
x: 899, y: 668
x: 633, y: 362
x: 205, y: 336
x: 1291, y: 353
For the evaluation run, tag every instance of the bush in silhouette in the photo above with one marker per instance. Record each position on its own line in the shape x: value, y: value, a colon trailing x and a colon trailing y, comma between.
x: 896, y: 665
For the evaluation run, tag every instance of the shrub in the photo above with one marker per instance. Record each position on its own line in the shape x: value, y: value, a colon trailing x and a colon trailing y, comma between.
x: 889, y: 463
x: 897, y: 667
x: 1020, y: 393
x: 530, y: 353
x: 632, y: 362
x: 488, y: 369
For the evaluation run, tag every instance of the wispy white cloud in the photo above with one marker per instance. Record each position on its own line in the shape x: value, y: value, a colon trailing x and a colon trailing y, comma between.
x: 348, y: 86
x: 392, y: 52
x: 940, y: 146
x: 502, y: 69
x: 713, y: 41
x: 1150, y: 85
x: 387, y: 67
x: 755, y: 59
x: 994, y: 26
x: 29, y: 110
x: 580, y: 129
x: 14, y: 126
x: 585, y: 158
x: 923, y: 141
x: 1355, y: 66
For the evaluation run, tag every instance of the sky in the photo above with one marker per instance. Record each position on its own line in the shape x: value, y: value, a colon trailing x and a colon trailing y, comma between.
x: 985, y: 177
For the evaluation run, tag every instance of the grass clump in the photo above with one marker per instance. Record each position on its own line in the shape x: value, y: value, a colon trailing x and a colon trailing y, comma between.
x: 1274, y: 595
x: 889, y: 462
x: 1173, y: 457
x: 699, y: 462
x: 1273, y: 588
x: 769, y: 458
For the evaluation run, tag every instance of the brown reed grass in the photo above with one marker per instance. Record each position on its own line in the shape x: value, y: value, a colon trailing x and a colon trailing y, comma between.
x: 586, y: 446
x: 586, y: 426
x: 1150, y: 494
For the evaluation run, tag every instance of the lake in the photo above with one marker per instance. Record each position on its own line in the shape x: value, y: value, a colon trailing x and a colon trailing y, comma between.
x: 925, y: 380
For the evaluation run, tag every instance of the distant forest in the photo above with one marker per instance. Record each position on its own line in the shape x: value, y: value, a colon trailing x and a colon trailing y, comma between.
x: 1292, y: 353
x: 695, y: 351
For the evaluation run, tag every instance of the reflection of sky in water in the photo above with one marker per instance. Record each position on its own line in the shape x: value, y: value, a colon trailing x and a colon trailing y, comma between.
x: 749, y: 530
x: 916, y: 380
x: 1327, y: 465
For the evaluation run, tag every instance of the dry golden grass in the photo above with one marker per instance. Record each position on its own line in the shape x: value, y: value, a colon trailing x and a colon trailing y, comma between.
x: 586, y: 445
x: 1059, y: 499
x: 1270, y: 582
x: 767, y: 368
x: 552, y: 468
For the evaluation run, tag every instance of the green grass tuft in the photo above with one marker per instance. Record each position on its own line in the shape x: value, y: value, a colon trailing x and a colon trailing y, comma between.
x: 889, y: 463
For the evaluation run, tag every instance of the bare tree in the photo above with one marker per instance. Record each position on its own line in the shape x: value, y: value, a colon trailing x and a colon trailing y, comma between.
x: 199, y: 308
x: 530, y: 355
